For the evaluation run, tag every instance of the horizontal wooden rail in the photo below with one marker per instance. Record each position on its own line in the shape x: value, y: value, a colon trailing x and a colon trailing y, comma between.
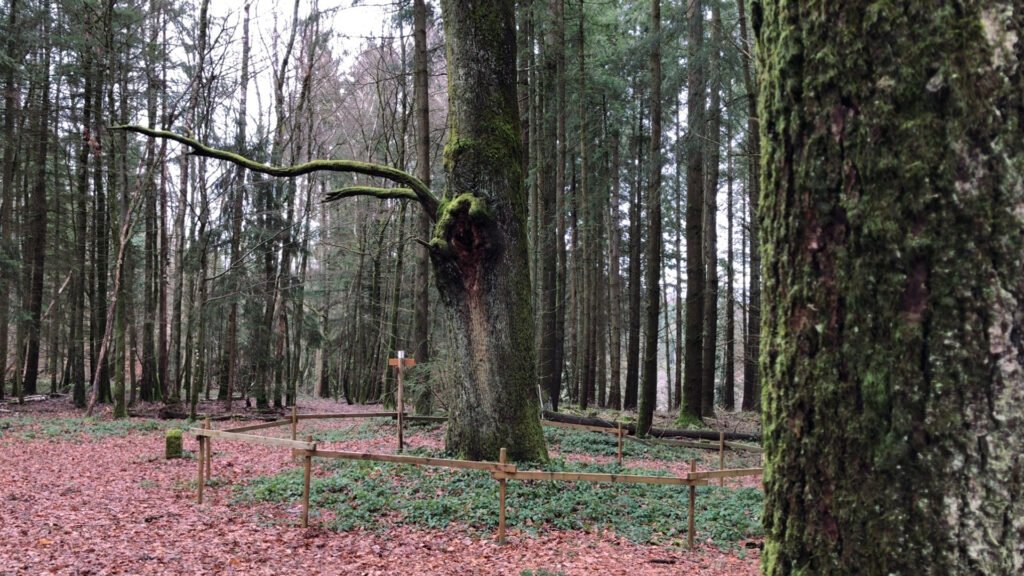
x: 705, y: 444
x: 261, y: 426
x: 728, y: 473
x: 286, y: 421
x: 347, y: 416
x: 500, y: 471
x: 427, y: 418
x: 263, y: 440
x: 598, y: 477
x: 418, y: 460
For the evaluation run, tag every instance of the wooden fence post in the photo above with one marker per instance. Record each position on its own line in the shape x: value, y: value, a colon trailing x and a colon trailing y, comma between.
x: 401, y: 362
x: 399, y: 403
x: 209, y: 450
x: 620, y: 443
x: 199, y: 477
x: 307, y: 466
x: 295, y: 422
x: 503, y: 457
x: 721, y: 455
x: 693, y: 502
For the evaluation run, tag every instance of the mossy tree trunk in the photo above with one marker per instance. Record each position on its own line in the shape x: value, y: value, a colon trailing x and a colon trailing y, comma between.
x: 479, y: 245
x: 892, y: 220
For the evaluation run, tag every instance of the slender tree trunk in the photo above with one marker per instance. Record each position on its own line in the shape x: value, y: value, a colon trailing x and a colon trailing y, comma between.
x: 551, y: 177
x: 677, y: 397
x: 894, y: 287
x: 163, y: 264
x: 615, y: 280
x: 667, y: 340
x: 751, y: 378
x: 76, y: 351
x: 695, y: 273
x: 729, y: 385
x: 562, y: 273
x: 649, y: 387
x: 712, y: 143
x: 629, y: 401
x: 585, y: 240
x: 7, y: 173
x: 421, y: 294
x: 229, y: 369
x: 37, y: 220
x: 150, y: 380
x: 119, y: 146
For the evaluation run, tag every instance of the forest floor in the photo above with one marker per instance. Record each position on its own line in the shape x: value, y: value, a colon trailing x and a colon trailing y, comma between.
x: 96, y: 496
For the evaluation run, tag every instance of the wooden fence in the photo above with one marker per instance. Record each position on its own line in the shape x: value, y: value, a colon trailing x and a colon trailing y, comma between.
x: 500, y: 471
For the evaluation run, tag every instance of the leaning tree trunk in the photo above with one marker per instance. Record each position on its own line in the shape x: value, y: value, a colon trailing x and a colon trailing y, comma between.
x: 894, y: 286
x: 479, y: 246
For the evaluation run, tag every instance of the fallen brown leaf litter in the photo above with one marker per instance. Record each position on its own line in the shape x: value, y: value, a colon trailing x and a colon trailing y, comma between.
x: 111, y: 505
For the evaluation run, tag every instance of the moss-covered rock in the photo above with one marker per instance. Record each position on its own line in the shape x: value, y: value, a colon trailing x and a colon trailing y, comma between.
x: 172, y: 444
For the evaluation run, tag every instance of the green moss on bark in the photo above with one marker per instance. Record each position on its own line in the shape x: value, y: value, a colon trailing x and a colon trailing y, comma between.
x: 479, y: 243
x: 894, y: 287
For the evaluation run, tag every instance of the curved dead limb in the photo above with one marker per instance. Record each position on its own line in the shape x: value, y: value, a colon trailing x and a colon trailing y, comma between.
x: 376, y: 192
x: 413, y: 188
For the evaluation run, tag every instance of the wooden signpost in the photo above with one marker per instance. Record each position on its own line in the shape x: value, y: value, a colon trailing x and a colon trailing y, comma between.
x: 400, y: 363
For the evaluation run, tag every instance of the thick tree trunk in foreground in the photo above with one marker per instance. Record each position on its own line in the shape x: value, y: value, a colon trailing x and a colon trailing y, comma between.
x: 894, y: 287
x: 479, y: 245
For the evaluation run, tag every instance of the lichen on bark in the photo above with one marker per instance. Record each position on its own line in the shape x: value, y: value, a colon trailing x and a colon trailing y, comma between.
x: 893, y: 243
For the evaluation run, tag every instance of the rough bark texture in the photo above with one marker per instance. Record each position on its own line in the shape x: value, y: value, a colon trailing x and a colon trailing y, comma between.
x: 11, y: 104
x: 36, y: 221
x: 649, y: 387
x: 752, y: 336
x: 548, y: 369
x: 691, y: 406
x: 614, y: 282
x: 421, y: 295
x: 894, y: 286
x: 479, y: 244
x: 712, y: 143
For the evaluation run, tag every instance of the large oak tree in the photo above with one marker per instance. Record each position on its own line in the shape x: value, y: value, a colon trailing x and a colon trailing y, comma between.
x: 478, y: 245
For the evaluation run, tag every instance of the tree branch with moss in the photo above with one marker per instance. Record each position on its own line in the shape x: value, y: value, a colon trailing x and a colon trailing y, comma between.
x: 411, y: 187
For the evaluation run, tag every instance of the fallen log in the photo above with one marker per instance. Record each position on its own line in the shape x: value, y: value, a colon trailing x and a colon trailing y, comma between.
x: 655, y: 432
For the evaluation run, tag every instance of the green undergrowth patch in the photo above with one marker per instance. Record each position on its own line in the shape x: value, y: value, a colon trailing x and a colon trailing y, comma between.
x: 365, y: 430
x: 30, y: 428
x: 598, y: 444
x: 373, y: 495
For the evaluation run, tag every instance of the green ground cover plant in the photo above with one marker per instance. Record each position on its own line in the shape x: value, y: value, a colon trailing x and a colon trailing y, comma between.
x: 373, y: 495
